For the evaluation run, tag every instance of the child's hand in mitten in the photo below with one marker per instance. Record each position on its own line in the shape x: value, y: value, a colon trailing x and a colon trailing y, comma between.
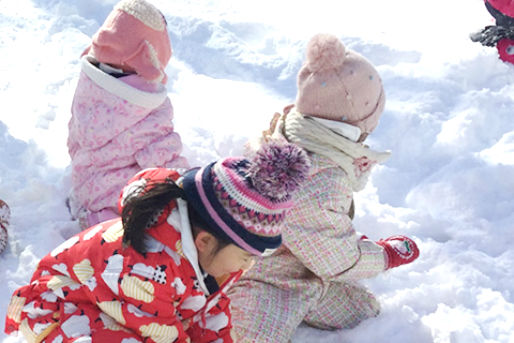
x: 399, y: 250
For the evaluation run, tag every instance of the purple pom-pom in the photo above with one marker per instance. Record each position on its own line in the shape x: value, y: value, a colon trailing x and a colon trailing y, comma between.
x: 277, y: 170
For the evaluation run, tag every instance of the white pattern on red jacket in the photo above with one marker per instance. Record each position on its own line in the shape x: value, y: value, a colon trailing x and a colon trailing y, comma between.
x: 93, y: 286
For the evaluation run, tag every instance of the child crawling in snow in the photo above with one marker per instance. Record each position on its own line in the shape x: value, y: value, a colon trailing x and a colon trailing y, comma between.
x: 121, y: 115
x: 160, y: 272
x: 314, y: 276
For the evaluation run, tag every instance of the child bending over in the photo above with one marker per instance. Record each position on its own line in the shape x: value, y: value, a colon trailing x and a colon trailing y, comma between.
x: 160, y: 272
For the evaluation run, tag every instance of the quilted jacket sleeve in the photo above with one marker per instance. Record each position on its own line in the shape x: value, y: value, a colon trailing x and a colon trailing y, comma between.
x: 319, y: 231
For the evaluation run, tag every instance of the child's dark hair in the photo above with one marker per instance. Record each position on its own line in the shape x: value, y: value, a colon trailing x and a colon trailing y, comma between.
x: 144, y: 206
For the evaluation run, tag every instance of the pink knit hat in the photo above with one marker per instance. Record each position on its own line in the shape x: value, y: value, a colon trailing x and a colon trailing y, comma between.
x: 134, y: 37
x: 338, y: 84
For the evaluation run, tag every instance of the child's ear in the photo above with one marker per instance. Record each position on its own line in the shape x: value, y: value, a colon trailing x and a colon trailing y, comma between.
x: 205, y: 242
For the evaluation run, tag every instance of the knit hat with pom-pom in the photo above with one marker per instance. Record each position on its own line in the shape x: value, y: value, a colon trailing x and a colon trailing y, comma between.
x: 338, y: 84
x: 134, y: 37
x: 246, y: 200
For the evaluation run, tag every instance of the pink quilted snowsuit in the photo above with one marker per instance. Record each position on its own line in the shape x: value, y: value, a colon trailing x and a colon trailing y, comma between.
x: 118, y: 127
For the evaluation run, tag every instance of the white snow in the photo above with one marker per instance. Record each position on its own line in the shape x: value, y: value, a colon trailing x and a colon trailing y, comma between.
x: 448, y: 121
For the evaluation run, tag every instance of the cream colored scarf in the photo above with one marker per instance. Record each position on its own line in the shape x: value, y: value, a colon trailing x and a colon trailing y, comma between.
x: 355, y: 159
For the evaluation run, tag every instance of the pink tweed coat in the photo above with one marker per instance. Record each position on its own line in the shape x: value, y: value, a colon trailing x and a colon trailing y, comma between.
x: 313, y: 277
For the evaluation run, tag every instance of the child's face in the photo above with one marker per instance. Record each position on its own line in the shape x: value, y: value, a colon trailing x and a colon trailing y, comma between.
x: 229, y: 259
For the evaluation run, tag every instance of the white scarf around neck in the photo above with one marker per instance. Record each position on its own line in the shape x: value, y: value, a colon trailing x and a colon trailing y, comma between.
x: 355, y: 159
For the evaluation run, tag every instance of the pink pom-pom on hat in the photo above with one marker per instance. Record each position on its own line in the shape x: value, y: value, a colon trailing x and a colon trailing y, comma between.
x: 338, y: 84
x: 134, y: 37
x: 277, y: 170
x: 325, y: 52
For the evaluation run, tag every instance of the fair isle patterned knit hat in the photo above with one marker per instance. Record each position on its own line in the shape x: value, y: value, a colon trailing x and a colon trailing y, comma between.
x: 338, y: 84
x: 246, y: 200
x: 134, y: 37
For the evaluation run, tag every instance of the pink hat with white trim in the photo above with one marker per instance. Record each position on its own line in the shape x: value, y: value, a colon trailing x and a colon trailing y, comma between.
x: 338, y: 84
x: 134, y: 37
x: 244, y: 200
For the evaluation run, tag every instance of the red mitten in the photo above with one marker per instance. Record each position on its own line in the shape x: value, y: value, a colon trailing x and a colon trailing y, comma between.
x: 399, y: 250
x: 5, y: 216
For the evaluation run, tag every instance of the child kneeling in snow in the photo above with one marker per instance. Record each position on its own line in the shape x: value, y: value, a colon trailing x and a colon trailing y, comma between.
x: 121, y: 115
x: 160, y: 273
x: 500, y: 35
x: 314, y: 276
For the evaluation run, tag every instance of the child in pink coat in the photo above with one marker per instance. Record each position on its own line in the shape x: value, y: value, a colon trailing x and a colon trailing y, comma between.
x: 160, y: 272
x: 121, y: 115
x: 314, y: 276
x: 500, y: 35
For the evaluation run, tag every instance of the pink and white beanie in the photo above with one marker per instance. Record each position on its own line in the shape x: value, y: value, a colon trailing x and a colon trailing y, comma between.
x: 244, y: 200
x: 134, y: 37
x: 338, y: 84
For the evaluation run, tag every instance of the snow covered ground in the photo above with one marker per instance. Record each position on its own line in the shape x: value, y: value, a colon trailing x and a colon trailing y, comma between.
x: 448, y: 121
